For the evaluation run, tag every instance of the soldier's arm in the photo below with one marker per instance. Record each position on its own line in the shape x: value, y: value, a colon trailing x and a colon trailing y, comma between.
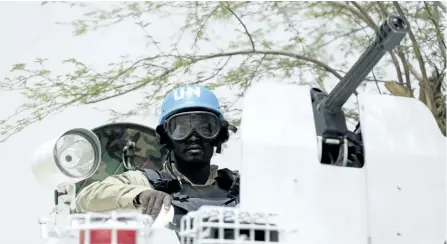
x: 114, y: 192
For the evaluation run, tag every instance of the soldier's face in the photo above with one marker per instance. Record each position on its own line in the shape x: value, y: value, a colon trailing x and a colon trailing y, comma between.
x: 194, y: 150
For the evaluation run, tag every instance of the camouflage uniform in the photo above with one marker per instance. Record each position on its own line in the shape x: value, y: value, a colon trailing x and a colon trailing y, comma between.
x: 147, y: 152
x: 113, y: 186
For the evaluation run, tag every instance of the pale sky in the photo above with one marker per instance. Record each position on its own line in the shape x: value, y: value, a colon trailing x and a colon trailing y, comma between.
x: 29, y: 31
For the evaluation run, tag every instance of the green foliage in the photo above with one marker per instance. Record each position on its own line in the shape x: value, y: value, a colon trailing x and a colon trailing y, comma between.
x: 282, y: 41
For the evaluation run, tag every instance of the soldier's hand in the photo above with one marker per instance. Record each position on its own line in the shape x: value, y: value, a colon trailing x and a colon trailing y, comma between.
x: 152, y: 202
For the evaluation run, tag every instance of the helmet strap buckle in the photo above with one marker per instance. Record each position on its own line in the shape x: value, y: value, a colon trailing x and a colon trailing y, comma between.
x: 219, y: 147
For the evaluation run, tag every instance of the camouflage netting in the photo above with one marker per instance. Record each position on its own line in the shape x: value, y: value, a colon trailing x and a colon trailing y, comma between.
x: 113, y: 138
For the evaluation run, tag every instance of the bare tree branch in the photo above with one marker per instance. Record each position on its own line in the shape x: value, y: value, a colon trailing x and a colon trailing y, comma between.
x: 243, y: 25
x: 353, y: 11
x: 439, y: 35
x: 376, y: 82
x: 406, y: 69
x: 441, y: 5
x: 271, y: 52
x: 425, y: 92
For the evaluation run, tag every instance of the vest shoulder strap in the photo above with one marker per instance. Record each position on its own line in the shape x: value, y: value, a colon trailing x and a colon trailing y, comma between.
x: 228, y: 180
x: 162, y: 181
x: 153, y: 175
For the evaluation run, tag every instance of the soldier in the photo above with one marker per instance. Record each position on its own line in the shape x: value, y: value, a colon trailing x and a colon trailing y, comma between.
x: 190, y: 127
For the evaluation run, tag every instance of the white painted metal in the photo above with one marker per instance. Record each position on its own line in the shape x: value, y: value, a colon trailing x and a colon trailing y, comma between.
x: 398, y: 197
x: 405, y: 171
x: 325, y: 204
x: 148, y: 231
x: 228, y: 225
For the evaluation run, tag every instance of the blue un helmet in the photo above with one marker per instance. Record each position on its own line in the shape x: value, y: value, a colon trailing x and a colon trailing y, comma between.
x: 192, y: 108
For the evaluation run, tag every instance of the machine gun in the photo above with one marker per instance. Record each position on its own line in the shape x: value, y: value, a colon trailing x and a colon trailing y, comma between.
x: 339, y: 145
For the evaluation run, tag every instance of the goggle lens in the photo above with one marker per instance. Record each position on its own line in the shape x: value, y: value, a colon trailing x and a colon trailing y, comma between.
x: 180, y: 126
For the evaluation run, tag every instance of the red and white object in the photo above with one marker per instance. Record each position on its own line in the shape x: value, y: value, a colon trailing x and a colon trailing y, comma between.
x: 110, y: 228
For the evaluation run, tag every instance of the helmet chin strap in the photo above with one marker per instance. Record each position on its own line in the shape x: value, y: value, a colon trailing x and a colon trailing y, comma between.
x: 229, y: 127
x: 219, y: 148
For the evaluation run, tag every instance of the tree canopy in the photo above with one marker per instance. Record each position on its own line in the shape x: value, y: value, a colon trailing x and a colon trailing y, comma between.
x: 292, y: 42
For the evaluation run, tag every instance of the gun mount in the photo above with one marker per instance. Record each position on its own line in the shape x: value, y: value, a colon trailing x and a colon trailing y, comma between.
x: 340, y: 146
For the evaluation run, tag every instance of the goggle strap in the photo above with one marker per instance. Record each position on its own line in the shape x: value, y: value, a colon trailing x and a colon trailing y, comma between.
x: 219, y: 148
x: 232, y: 128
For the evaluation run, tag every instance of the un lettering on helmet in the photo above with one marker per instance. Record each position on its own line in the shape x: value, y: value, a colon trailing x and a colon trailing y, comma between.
x: 190, y: 91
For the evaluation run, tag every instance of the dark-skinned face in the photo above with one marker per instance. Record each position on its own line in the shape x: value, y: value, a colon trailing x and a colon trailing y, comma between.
x: 194, y: 150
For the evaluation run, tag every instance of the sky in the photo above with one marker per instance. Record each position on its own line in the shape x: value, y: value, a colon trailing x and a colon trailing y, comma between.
x: 29, y: 31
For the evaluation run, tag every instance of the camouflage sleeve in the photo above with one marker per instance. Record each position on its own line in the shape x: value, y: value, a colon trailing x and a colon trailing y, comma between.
x: 115, y: 192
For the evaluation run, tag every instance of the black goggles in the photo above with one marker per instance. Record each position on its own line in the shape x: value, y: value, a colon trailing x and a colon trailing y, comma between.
x: 181, y: 126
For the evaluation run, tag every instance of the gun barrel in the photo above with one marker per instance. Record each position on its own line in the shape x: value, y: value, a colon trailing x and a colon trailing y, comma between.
x: 388, y: 36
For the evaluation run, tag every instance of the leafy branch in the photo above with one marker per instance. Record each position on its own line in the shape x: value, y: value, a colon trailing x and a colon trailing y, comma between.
x: 304, y: 54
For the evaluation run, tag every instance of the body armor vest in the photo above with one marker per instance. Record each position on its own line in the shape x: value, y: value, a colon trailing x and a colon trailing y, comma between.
x: 186, y: 197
